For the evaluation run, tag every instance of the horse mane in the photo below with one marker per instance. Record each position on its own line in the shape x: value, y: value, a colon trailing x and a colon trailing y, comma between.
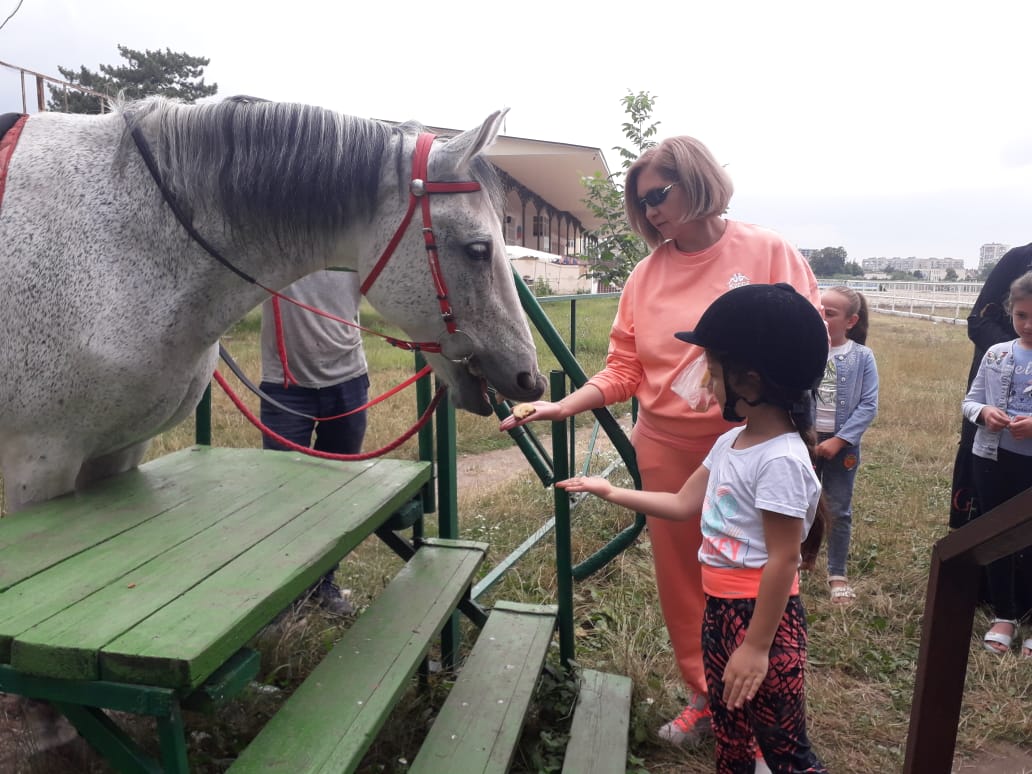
x: 275, y: 169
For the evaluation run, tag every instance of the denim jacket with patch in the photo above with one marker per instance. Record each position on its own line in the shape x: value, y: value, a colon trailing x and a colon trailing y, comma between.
x: 990, y: 387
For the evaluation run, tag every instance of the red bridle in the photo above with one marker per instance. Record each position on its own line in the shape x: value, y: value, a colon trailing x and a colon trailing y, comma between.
x: 419, y: 193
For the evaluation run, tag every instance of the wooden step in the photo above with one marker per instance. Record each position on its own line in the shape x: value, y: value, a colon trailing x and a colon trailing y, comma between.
x: 332, y: 718
x: 601, y: 721
x: 480, y: 723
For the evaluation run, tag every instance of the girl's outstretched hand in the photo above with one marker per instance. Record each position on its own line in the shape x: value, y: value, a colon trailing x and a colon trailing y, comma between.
x: 543, y: 409
x: 595, y: 485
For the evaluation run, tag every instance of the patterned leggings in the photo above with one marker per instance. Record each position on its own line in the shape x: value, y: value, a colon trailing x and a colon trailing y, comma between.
x: 776, y: 716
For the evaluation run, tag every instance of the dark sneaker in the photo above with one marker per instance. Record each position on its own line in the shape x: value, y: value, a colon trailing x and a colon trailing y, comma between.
x: 332, y: 598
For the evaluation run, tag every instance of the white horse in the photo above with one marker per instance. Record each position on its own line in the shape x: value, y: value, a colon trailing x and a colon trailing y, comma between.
x: 111, y: 305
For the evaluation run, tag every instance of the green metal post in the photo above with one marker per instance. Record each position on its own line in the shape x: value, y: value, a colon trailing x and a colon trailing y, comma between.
x: 447, y: 514
x: 202, y: 422
x: 572, y: 424
x: 563, y: 549
x: 426, y: 443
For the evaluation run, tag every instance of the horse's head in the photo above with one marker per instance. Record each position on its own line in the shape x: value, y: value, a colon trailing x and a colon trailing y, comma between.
x: 481, y: 329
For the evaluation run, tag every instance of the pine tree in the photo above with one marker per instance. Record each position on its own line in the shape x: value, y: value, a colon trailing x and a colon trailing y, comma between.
x: 146, y: 73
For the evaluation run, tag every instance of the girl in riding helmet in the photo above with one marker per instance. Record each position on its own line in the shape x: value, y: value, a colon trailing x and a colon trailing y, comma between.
x: 766, y: 347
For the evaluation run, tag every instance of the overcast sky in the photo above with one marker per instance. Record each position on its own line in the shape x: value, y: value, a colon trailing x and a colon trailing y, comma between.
x: 889, y: 127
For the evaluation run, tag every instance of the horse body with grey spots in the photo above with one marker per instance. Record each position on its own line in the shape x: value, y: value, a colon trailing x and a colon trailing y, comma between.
x: 110, y: 311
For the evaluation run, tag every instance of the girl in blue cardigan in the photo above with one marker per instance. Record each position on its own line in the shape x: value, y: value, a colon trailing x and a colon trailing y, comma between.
x: 1000, y: 404
x: 846, y: 406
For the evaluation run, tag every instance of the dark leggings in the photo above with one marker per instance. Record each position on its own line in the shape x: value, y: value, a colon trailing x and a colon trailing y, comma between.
x: 996, y: 482
x: 776, y: 716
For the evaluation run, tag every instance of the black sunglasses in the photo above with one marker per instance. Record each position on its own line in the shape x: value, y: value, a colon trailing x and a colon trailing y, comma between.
x: 655, y: 197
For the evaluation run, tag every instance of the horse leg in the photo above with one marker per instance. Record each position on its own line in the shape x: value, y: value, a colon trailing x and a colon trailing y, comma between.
x: 37, y: 469
x: 111, y: 464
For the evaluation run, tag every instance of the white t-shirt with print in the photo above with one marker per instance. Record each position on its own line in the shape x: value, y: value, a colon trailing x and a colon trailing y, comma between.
x: 775, y: 475
x: 827, y: 393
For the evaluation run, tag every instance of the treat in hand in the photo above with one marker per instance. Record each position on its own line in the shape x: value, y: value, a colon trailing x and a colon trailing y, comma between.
x: 523, y: 410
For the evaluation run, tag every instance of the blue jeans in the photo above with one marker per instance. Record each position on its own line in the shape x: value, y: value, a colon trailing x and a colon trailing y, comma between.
x: 341, y: 436
x: 837, y: 476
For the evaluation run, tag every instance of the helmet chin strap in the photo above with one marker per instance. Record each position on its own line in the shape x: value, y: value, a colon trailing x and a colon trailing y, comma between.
x: 731, y: 399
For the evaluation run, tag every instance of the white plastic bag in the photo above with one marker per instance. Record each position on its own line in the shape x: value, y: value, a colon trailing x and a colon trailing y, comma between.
x: 693, y: 384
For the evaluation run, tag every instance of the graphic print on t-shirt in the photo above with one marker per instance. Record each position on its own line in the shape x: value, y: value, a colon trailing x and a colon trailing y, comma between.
x: 1019, y: 402
x: 723, y: 545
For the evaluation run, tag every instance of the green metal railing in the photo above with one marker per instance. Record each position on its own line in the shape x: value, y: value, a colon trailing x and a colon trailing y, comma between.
x: 548, y: 469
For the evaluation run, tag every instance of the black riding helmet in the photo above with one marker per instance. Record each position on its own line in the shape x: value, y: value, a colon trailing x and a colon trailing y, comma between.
x: 770, y: 329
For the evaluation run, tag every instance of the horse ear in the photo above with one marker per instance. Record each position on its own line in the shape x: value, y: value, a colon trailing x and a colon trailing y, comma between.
x: 468, y: 144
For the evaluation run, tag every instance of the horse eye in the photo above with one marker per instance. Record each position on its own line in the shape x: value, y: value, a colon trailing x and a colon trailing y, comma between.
x: 479, y: 251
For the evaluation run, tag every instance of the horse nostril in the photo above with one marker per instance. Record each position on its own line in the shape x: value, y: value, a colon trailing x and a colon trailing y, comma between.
x: 526, y: 380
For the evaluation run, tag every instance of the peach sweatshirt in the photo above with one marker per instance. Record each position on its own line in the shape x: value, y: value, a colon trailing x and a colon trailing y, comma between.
x: 668, y: 292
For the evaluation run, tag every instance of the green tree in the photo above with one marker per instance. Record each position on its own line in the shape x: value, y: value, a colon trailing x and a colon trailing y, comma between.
x: 617, y: 247
x: 854, y: 269
x: 950, y: 275
x: 828, y: 261
x: 146, y: 73
x: 983, y: 273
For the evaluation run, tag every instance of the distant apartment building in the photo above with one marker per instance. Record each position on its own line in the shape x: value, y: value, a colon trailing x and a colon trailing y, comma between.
x: 990, y: 254
x: 933, y: 269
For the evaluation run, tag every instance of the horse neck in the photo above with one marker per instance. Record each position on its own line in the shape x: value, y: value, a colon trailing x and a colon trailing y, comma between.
x: 218, y: 298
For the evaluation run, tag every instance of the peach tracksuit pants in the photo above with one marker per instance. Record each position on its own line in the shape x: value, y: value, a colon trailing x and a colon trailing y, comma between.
x: 675, y: 552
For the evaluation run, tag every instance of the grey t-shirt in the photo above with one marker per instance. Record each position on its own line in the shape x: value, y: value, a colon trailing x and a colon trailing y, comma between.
x: 320, y: 352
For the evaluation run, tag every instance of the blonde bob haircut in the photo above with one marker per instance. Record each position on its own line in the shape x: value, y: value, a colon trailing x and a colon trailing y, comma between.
x: 684, y: 160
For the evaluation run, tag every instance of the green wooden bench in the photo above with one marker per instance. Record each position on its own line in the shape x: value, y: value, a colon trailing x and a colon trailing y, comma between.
x: 598, y: 736
x: 332, y: 718
x: 479, y: 725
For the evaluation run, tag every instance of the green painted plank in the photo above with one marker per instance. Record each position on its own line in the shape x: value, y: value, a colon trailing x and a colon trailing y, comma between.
x: 60, y: 619
x: 480, y: 723
x: 227, y: 682
x: 137, y: 699
x: 42, y: 535
x: 188, y: 639
x: 601, y: 722
x: 330, y: 721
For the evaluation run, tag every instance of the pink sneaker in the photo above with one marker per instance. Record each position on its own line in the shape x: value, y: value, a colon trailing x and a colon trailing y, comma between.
x: 690, y: 727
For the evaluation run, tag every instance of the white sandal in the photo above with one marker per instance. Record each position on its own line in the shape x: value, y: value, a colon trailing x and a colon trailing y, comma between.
x: 843, y: 594
x: 999, y: 637
x: 1026, y: 646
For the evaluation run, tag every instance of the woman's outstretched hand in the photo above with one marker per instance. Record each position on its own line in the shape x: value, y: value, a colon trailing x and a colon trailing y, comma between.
x: 543, y: 409
x: 596, y: 485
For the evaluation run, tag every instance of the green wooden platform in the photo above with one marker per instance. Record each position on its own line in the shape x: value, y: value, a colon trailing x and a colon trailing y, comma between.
x: 142, y: 593
x: 136, y: 591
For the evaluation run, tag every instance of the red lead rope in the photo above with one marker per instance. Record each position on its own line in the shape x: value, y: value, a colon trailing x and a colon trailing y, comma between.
x: 423, y: 419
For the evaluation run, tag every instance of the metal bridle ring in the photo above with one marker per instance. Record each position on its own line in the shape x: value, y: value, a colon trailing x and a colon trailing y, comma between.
x: 456, y: 347
x: 418, y: 187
